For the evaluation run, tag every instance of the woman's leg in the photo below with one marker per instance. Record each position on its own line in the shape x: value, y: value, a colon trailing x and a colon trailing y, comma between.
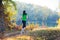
x: 23, y: 27
x: 24, y: 24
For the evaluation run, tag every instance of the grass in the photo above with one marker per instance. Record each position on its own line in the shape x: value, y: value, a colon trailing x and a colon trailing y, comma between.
x: 45, y: 34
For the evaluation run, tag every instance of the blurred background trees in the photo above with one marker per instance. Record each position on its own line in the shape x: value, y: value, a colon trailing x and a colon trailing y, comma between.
x: 7, y: 12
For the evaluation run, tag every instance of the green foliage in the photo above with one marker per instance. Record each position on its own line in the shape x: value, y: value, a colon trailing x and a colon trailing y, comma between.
x: 6, y: 2
x: 8, y: 12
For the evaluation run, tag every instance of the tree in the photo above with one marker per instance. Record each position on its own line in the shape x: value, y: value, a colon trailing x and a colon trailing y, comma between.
x: 2, y: 23
x: 5, y: 15
x: 10, y: 11
x: 0, y: 2
x: 5, y: 12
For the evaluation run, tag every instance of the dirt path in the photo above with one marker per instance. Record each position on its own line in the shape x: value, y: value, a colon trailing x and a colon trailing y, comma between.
x: 19, y: 37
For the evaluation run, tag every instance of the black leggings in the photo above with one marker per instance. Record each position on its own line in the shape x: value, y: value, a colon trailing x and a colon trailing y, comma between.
x: 24, y: 24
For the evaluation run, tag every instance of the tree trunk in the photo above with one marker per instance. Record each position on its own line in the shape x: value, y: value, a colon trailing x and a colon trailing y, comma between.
x: 2, y: 23
x: 0, y: 2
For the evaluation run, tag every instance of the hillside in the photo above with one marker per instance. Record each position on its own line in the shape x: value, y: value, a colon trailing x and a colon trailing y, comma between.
x: 37, y: 14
